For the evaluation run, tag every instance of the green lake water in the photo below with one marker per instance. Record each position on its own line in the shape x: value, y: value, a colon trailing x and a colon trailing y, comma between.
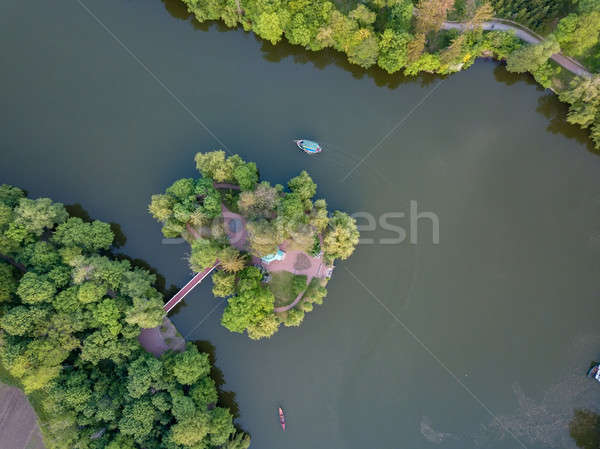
x: 480, y: 341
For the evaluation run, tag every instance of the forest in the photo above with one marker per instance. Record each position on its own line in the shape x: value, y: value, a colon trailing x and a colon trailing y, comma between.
x: 70, y: 316
x: 408, y: 36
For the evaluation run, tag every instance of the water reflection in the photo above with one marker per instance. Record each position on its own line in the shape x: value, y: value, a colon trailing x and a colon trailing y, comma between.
x: 584, y: 428
x: 226, y: 398
x: 549, y: 105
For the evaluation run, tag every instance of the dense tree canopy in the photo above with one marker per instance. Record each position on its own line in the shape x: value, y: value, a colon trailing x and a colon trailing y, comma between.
x: 69, y: 324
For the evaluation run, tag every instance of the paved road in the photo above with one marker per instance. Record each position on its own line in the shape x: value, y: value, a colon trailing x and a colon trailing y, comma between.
x: 528, y: 36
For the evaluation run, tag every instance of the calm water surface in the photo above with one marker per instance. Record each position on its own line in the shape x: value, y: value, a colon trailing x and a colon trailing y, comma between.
x: 507, y: 302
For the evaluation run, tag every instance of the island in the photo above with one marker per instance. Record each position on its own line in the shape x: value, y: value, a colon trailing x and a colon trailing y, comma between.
x: 271, y: 250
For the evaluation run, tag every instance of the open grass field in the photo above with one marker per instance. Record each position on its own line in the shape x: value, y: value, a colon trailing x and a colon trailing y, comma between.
x: 286, y: 286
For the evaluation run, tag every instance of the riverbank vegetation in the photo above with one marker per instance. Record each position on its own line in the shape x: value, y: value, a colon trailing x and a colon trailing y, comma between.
x: 70, y: 317
x: 410, y: 36
x: 252, y: 228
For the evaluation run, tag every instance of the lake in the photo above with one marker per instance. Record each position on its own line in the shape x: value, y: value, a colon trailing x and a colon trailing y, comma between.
x: 478, y: 341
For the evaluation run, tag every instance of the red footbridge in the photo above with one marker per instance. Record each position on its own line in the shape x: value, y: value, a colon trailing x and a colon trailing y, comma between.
x: 188, y: 287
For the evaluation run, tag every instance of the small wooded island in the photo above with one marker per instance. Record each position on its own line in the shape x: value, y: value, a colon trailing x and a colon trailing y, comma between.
x: 273, y: 248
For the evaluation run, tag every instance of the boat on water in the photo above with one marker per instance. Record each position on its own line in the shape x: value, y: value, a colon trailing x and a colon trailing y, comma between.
x: 594, y: 371
x: 281, y: 418
x: 308, y: 146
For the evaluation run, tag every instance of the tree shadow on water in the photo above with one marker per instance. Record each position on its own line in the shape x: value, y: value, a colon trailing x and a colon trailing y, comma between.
x: 509, y: 78
x: 584, y: 428
x: 226, y: 398
x: 556, y: 112
x: 320, y: 59
x: 329, y: 57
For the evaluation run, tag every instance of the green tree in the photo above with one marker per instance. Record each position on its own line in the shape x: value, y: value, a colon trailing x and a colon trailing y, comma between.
x: 231, y: 260
x: 89, y: 236
x: 294, y: 317
x: 363, y: 15
x: 204, y: 254
x: 268, y: 26
x: 303, y: 185
x: 204, y: 392
x: 223, y: 284
x: 34, y: 288
x: 251, y: 307
x: 264, y: 237
x: 146, y: 313
x: 393, y: 50
x: 161, y: 207
x: 40, y: 214
x: 341, y: 237
x: 530, y: 57
x: 8, y: 284
x: 188, y: 366
x: 583, y: 95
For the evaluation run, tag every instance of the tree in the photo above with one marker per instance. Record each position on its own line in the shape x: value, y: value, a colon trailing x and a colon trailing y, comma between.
x: 191, y: 431
x: 10, y: 195
x: 303, y: 185
x: 530, y: 57
x: 269, y: 27
x: 138, y: 419
x: 363, y: 15
x: 415, y: 48
x: 239, y: 441
x: 260, y: 202
x: 363, y: 48
x: 576, y: 34
x: 251, y: 307
x: 231, y: 260
x: 453, y: 54
x: 8, y: 284
x: 90, y: 292
x: 264, y: 237
x: 146, y: 313
x: 161, y: 207
x: 246, y: 175
x: 482, y: 14
x: 341, y: 237
x: 294, y: 318
x: 431, y: 14
x: 401, y: 14
x: 583, y: 95
x: 221, y: 426
x: 263, y: 328
x: 34, y: 288
x: 40, y: 214
x: 393, y: 50
x: 204, y: 254
x: 204, y: 392
x: 188, y: 366
x: 22, y: 320
x: 292, y: 208
x: 319, y: 215
x: 223, y: 284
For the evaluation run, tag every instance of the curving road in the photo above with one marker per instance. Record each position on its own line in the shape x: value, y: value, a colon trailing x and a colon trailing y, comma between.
x: 527, y: 35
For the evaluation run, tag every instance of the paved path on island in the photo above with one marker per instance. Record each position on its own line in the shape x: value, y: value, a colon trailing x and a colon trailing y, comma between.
x: 527, y: 35
x: 317, y: 269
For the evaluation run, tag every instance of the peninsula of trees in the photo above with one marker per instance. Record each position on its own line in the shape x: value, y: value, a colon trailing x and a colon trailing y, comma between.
x: 70, y: 317
x: 274, y: 247
x: 415, y: 36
